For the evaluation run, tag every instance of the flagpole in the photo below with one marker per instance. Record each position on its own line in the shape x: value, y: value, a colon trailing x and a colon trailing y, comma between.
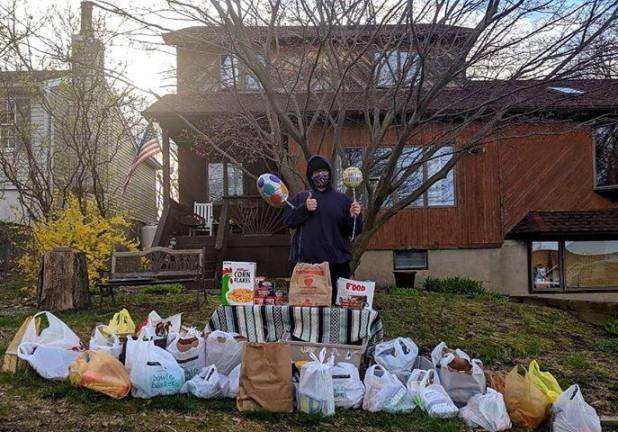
x: 166, y: 168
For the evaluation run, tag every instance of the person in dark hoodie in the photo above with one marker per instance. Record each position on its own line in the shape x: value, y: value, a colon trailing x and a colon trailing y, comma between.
x: 323, y: 219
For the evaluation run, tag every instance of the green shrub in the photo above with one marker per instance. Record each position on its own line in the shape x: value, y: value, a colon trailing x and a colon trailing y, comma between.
x: 454, y: 285
x: 163, y: 289
x: 611, y: 327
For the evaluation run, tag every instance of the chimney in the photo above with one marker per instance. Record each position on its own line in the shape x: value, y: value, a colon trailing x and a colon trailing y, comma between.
x: 86, y: 18
x: 87, y: 52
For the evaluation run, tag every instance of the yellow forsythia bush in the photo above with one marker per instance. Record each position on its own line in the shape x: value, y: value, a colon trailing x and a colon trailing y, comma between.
x: 88, y: 232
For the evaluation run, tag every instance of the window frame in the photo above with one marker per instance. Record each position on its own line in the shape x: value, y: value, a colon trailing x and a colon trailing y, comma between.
x: 241, y: 75
x: 395, y: 77
x: 411, y: 268
x: 595, y: 185
x: 12, y: 126
x: 425, y: 171
x: 563, y: 289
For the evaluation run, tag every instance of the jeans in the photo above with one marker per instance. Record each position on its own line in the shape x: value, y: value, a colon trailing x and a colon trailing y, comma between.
x: 338, y: 270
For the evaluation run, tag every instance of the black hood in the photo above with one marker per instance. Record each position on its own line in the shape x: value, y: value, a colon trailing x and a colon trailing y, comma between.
x: 318, y: 162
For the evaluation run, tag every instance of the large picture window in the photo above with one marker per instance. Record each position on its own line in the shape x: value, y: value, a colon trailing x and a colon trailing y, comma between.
x: 440, y: 194
x: 216, y: 184
x: 605, y: 156
x: 567, y: 265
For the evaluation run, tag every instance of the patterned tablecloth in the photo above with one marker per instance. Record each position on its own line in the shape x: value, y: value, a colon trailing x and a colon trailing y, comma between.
x: 333, y: 325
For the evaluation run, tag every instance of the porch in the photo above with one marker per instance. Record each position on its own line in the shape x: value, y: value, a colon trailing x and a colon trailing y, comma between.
x: 244, y: 228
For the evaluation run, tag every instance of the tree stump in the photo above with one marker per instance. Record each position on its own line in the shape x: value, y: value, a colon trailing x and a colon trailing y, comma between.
x: 63, y: 283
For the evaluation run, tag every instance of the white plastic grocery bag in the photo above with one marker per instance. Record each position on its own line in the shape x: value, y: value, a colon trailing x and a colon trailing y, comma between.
x: 207, y: 384
x: 223, y: 350
x: 154, y: 371
x: 188, y: 350
x: 486, y: 411
x: 234, y: 381
x: 347, y: 385
x: 315, y: 389
x: 461, y: 386
x: 571, y: 413
x: 425, y: 388
x: 396, y: 355
x: 102, y: 340
x: 168, y: 327
x: 51, y: 352
x: 384, y: 392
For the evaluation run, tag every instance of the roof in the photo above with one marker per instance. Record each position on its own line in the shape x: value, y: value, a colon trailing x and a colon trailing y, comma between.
x: 571, y: 96
x: 35, y: 75
x: 198, y: 35
x: 567, y: 222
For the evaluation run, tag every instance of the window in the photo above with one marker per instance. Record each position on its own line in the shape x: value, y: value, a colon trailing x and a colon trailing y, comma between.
x: 8, y: 122
x: 410, y: 260
x: 215, y: 181
x: 605, y: 139
x: 591, y: 264
x: 395, y: 67
x: 579, y: 265
x: 545, y: 265
x: 440, y: 194
x: 235, y: 75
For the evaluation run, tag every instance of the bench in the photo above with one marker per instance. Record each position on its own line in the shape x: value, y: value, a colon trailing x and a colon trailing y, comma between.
x: 155, y: 266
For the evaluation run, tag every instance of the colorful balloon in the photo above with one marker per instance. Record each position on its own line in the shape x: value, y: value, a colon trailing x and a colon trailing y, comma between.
x: 272, y: 189
x: 352, y: 177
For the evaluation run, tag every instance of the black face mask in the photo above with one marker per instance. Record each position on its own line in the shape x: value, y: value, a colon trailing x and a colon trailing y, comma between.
x: 320, y: 179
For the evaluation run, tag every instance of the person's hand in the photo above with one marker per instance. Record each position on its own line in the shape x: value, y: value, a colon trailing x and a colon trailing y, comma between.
x: 355, y: 209
x: 312, y: 203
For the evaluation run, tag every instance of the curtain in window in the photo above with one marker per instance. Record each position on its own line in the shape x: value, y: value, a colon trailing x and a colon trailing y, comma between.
x: 441, y: 193
x: 229, y: 71
x: 215, y: 181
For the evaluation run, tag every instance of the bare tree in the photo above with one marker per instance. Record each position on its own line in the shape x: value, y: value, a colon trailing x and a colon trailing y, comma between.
x: 428, y: 82
x: 90, y: 112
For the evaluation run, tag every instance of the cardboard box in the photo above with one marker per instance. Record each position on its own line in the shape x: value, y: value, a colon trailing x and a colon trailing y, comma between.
x: 237, y: 283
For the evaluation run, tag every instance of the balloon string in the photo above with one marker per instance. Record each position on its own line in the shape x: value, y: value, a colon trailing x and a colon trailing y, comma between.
x: 354, y: 225
x: 289, y: 203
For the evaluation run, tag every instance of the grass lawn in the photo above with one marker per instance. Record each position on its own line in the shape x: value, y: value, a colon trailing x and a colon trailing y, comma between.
x: 499, y: 332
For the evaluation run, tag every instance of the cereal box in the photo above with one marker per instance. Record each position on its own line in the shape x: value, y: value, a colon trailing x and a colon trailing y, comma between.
x: 237, y: 283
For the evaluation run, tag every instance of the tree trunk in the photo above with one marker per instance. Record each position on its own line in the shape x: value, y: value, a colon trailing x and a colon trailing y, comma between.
x: 63, y: 284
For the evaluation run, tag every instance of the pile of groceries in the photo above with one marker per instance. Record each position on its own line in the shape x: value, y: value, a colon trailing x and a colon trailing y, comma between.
x: 164, y: 356
x: 310, y: 285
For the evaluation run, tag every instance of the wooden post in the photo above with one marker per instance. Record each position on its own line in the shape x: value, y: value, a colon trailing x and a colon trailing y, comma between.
x: 64, y: 280
x: 166, y: 168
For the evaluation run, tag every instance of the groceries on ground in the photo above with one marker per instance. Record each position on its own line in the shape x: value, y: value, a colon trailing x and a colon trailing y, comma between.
x: 161, y: 357
x: 353, y: 294
x: 237, y: 283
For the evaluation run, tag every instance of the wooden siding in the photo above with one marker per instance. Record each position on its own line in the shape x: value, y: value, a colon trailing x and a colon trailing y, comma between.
x: 553, y: 171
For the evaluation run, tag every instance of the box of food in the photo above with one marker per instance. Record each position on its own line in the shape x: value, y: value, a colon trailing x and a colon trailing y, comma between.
x: 237, y: 283
x: 355, y: 294
x: 266, y: 292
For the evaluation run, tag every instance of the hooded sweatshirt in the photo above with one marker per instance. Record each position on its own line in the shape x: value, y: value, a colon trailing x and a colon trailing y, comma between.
x: 324, y: 234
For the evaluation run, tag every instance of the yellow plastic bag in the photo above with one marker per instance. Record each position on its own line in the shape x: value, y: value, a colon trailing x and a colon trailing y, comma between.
x: 101, y: 372
x: 121, y: 324
x: 545, y: 381
x: 526, y: 403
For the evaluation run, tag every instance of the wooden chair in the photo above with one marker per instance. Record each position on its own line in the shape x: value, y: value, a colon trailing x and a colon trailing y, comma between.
x: 204, y: 211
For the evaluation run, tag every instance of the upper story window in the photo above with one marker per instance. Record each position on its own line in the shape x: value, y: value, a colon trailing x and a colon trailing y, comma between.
x: 8, y: 125
x: 235, y: 75
x: 440, y: 194
x: 605, y: 140
x: 395, y: 67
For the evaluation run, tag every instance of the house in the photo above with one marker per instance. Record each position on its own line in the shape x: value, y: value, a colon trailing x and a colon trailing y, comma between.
x: 530, y: 213
x: 42, y: 132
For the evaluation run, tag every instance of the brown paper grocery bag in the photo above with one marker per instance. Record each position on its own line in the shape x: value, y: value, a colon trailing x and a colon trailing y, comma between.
x: 266, y: 378
x: 310, y: 285
x: 12, y: 363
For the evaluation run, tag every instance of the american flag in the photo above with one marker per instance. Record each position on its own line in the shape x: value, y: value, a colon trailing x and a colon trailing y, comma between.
x: 148, y: 147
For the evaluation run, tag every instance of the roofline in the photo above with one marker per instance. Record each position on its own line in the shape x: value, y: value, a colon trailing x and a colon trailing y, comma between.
x: 208, y: 33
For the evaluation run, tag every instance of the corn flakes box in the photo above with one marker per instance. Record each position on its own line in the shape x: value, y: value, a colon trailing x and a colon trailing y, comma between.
x: 237, y: 283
